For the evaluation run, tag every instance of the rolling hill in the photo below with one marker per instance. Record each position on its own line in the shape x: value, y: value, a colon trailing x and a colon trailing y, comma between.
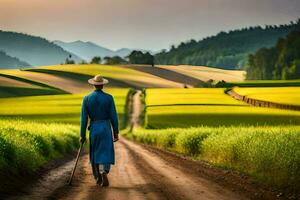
x: 7, y: 61
x: 35, y: 51
x: 87, y: 50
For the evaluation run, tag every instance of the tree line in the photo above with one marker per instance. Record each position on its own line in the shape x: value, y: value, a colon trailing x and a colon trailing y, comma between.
x: 279, y: 62
x: 227, y: 50
x: 135, y: 57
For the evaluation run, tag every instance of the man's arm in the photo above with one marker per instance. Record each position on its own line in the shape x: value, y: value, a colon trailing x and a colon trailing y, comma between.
x: 83, y: 121
x: 114, y: 120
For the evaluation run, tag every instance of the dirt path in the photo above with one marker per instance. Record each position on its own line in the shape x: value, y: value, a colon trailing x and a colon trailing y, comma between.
x: 141, y: 172
x: 136, y: 110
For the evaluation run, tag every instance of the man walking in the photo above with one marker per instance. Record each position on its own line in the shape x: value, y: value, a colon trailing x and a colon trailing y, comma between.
x: 100, y: 108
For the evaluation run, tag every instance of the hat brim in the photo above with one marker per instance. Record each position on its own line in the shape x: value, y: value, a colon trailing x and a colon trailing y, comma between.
x: 93, y: 82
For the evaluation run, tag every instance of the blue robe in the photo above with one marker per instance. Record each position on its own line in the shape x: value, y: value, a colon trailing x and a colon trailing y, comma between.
x: 100, y: 108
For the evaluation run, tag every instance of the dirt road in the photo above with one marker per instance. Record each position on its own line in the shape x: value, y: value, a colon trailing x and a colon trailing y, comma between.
x: 141, y: 172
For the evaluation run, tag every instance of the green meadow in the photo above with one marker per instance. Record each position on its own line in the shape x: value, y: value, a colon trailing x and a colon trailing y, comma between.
x: 63, y: 108
x: 167, y: 108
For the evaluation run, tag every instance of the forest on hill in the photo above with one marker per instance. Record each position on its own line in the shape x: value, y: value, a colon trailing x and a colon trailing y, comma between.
x: 228, y: 50
x: 279, y: 62
x: 33, y: 50
x: 7, y: 61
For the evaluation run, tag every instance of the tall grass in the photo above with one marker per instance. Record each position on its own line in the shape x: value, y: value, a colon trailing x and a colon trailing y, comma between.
x: 270, y: 154
x: 25, y: 146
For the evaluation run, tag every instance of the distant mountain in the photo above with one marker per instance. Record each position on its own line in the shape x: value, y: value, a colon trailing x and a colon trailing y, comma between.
x: 33, y: 50
x: 7, y: 61
x: 225, y: 50
x: 123, y: 52
x: 87, y: 50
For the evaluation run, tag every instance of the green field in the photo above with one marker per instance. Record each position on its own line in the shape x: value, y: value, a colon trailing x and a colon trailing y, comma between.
x: 270, y: 154
x: 192, y: 96
x: 166, y: 108
x: 283, y: 95
x: 54, y: 108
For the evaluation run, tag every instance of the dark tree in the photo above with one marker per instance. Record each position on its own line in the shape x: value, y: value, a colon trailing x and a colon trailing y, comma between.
x: 115, y: 60
x: 138, y: 57
x: 69, y: 61
x: 279, y: 62
x: 96, y: 60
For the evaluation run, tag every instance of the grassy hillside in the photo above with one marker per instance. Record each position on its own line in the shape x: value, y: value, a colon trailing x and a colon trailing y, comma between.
x: 121, y: 74
x: 208, y: 73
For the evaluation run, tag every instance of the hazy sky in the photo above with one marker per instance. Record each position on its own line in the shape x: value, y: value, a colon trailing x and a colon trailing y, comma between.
x: 147, y: 24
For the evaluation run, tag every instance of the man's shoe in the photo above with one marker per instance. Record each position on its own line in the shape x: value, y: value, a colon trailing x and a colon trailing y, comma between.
x: 99, y: 180
x: 105, y: 181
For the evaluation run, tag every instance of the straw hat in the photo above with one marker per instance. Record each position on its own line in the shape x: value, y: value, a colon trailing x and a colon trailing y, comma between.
x: 98, y: 80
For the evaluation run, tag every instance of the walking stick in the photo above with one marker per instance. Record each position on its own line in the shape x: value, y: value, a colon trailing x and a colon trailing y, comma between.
x: 77, y: 158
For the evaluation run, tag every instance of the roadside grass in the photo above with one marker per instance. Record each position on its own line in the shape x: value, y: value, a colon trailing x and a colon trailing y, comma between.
x: 270, y: 154
x: 25, y: 146
x: 55, y: 108
x: 283, y: 95
x: 123, y: 74
x: 166, y: 108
